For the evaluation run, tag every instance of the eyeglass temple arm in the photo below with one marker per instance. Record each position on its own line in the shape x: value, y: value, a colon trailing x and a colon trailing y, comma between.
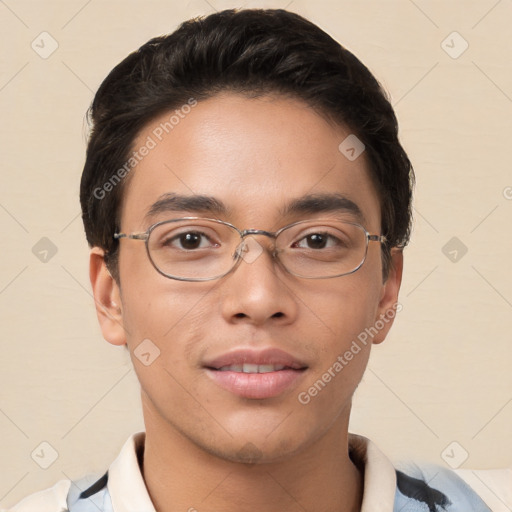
x: 134, y: 236
x: 377, y: 238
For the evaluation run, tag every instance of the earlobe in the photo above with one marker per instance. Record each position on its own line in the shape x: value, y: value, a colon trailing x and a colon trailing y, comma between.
x: 107, y: 299
x: 388, y: 304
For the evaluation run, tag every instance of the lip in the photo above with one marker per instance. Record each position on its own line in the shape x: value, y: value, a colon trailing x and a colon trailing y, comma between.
x: 256, y: 385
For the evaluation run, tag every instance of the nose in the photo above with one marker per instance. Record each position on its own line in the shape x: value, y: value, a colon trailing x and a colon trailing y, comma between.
x: 258, y: 291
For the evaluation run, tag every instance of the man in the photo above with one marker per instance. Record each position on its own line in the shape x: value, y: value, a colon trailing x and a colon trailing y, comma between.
x: 247, y: 202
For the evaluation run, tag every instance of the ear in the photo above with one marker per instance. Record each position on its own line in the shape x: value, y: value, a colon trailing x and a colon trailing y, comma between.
x: 388, y: 304
x: 107, y: 297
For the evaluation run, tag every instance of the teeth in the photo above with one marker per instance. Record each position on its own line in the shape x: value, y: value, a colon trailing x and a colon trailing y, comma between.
x: 252, y: 368
x: 265, y: 368
x: 232, y: 368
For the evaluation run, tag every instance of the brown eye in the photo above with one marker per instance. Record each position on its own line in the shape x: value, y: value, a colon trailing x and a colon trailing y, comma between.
x: 190, y: 240
x: 316, y: 241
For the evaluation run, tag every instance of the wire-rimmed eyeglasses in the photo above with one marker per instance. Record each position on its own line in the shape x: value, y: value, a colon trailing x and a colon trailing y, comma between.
x: 202, y: 249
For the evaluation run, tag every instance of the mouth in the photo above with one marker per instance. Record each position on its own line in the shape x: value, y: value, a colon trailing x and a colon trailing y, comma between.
x: 256, y: 374
x: 253, y: 368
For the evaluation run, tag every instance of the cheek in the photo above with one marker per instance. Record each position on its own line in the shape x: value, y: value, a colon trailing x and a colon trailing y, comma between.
x: 157, y: 308
x: 342, y: 307
x: 163, y: 324
x: 339, y: 316
x: 163, y: 314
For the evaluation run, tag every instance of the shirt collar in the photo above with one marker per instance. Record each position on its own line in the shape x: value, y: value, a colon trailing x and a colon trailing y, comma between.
x: 126, y: 486
x: 128, y: 491
x: 379, y: 475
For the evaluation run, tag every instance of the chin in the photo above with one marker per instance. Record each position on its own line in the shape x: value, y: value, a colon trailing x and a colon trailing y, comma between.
x: 250, y: 447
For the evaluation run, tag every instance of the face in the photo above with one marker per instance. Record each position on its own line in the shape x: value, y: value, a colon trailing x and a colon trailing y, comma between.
x: 256, y: 157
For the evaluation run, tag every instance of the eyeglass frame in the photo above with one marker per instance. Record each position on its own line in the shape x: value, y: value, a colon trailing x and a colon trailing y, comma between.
x: 243, y: 234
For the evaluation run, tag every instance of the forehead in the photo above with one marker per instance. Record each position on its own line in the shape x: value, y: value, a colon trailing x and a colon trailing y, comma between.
x: 254, y: 156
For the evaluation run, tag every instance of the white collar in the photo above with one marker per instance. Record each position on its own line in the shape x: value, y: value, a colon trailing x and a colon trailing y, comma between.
x: 126, y: 485
x: 129, y: 493
x: 379, y: 475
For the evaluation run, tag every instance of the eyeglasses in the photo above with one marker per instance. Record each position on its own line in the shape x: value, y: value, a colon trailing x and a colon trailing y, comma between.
x: 199, y: 249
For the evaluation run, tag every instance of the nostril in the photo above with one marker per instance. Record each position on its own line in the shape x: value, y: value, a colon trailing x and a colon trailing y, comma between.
x: 279, y: 314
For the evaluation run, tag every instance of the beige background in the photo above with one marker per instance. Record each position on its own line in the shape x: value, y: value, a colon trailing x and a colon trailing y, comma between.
x: 442, y: 376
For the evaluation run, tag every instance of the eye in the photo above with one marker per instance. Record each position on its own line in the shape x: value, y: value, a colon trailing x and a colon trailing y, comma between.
x: 319, y: 240
x: 188, y: 241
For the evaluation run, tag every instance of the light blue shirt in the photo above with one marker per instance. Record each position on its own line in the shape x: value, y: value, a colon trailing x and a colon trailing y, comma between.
x: 408, y: 488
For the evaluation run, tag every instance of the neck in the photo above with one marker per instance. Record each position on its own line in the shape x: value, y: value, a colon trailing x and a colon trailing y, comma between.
x: 181, y: 476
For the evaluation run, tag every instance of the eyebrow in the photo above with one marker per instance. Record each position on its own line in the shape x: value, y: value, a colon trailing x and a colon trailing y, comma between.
x: 308, y: 204
x: 323, y: 203
x: 187, y: 203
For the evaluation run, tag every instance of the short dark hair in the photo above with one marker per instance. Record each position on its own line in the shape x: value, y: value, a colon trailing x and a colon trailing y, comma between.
x: 251, y: 52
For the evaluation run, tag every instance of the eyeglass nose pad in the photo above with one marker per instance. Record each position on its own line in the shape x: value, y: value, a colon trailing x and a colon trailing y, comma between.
x: 249, y: 250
